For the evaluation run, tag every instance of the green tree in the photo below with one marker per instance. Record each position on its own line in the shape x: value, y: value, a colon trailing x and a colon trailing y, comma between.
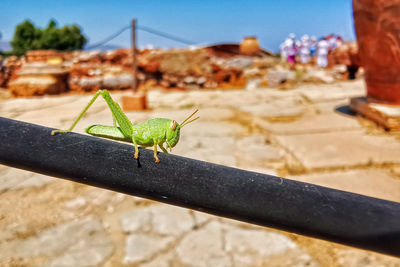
x: 50, y: 36
x: 24, y: 38
x: 70, y: 38
x: 28, y: 37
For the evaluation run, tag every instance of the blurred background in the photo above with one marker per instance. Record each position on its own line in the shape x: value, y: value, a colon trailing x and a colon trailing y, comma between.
x: 304, y: 90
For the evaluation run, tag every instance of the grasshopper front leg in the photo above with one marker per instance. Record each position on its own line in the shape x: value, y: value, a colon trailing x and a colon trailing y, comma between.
x: 136, y: 156
x: 155, y: 153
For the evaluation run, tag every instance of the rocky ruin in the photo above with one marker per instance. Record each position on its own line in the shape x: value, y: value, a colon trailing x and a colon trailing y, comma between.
x: 45, y: 72
x: 39, y: 78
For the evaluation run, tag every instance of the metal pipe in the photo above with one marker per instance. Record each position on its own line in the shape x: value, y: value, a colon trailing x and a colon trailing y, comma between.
x: 302, y: 208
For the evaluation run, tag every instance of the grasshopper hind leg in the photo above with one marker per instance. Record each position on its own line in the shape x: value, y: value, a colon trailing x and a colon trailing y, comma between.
x: 80, y: 115
x: 59, y: 131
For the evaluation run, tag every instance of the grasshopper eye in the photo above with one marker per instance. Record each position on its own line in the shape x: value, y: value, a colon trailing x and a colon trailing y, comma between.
x: 173, y: 125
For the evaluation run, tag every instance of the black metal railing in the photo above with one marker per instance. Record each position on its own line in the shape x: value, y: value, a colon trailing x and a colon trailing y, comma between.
x: 307, y: 209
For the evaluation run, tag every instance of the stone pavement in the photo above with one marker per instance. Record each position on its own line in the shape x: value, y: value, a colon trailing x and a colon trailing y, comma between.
x: 294, y: 133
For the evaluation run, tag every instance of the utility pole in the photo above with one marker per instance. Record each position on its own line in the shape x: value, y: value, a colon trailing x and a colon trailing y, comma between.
x: 134, y: 57
x: 138, y: 100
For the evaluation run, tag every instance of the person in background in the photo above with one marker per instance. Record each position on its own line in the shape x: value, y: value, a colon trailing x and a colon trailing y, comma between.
x: 332, y: 41
x: 305, y: 53
x: 339, y: 41
x: 322, y: 53
x: 313, y: 48
x: 283, y: 51
x: 291, y: 50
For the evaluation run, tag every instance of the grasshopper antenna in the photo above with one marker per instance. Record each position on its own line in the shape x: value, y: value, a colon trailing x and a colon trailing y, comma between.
x: 186, y: 120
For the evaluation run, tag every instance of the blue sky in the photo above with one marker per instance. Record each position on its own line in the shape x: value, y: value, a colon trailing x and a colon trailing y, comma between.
x: 202, y: 22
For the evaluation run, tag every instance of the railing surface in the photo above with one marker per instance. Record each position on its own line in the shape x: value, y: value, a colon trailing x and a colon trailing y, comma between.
x: 307, y: 209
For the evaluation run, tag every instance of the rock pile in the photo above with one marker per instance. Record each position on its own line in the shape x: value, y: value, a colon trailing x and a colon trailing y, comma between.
x: 93, y: 70
x: 9, y: 69
x: 51, y: 72
x: 46, y: 55
x: 38, y: 78
x: 220, y: 66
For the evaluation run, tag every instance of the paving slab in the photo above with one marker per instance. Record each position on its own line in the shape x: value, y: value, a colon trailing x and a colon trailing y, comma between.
x: 345, y: 90
x: 205, y: 114
x: 292, y: 257
x: 216, y: 114
x: 370, y: 182
x: 63, y: 114
x: 251, y: 241
x: 212, y: 129
x: 215, y: 98
x: 78, y: 243
x: 360, y: 258
x: 221, y: 244
x: 51, y: 117
x: 204, y: 247
x: 163, y: 260
x: 12, y: 179
x: 330, y: 106
x: 214, y: 149
x: 142, y: 247
x: 341, y: 149
x: 254, y: 151
x: 326, y: 122
x: 159, y: 99
x: 19, y: 105
x: 239, y: 98
x: 158, y: 219
x: 202, y: 218
x: 136, y: 220
x: 254, y: 247
x: 269, y: 171
x: 93, y: 198
x: 275, y: 109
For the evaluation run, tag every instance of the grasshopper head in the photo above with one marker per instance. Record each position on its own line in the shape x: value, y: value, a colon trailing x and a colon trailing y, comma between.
x: 174, y: 129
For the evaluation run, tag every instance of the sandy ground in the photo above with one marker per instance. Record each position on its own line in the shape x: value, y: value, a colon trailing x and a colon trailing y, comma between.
x: 293, y: 133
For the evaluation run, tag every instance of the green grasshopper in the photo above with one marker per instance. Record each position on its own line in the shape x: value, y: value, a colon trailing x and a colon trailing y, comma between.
x: 149, y: 133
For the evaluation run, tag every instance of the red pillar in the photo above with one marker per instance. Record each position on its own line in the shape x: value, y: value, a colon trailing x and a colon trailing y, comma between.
x: 377, y: 24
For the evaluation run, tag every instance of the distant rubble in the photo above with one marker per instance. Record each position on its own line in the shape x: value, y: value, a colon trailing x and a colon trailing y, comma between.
x: 221, y: 66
